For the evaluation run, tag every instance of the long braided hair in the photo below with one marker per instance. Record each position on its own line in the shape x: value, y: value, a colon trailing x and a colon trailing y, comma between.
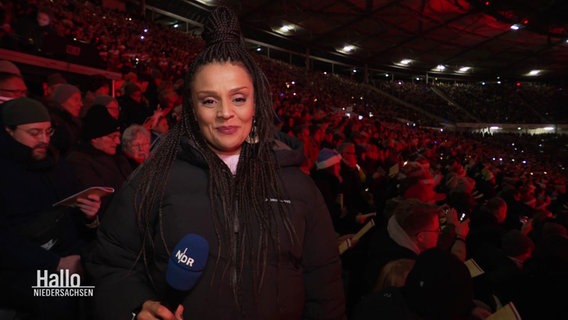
x: 246, y: 223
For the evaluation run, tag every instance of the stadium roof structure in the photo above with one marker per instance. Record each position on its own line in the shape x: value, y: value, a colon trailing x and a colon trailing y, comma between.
x: 470, y: 39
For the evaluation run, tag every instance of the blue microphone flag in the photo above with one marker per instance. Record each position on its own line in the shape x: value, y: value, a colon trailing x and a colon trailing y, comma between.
x: 187, y: 262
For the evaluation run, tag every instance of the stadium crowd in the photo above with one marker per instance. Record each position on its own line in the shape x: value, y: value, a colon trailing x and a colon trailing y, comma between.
x: 369, y: 155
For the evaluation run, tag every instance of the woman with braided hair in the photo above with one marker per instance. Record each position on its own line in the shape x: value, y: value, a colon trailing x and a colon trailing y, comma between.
x: 222, y: 173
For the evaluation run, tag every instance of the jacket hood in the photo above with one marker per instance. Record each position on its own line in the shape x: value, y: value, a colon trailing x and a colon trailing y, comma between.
x: 289, y: 150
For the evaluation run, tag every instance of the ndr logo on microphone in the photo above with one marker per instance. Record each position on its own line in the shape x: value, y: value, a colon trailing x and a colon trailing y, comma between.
x: 62, y: 284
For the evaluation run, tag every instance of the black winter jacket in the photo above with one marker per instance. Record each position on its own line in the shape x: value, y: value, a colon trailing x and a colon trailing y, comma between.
x: 28, y: 189
x: 304, y: 282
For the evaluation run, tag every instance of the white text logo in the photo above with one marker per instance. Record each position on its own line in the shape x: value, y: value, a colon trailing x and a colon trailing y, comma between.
x: 62, y: 284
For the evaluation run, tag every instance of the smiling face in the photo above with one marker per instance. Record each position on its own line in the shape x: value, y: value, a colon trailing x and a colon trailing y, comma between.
x: 223, y: 102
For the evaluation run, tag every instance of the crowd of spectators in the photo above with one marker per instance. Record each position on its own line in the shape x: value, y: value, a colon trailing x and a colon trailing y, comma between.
x: 359, y: 152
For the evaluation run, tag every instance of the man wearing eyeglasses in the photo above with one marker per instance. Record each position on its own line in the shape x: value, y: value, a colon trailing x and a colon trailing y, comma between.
x: 34, y: 234
x: 413, y: 228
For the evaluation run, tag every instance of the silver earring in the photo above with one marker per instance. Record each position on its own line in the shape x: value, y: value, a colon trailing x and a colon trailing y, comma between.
x: 252, y: 137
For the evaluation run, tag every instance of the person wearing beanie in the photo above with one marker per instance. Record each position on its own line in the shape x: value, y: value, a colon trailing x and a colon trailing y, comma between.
x: 68, y: 98
x: 94, y: 159
x: 134, y: 108
x: 65, y: 116
x: 35, y: 235
x: 227, y: 176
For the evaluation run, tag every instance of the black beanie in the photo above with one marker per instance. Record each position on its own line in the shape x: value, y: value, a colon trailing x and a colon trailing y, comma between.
x: 23, y: 110
x: 98, y: 123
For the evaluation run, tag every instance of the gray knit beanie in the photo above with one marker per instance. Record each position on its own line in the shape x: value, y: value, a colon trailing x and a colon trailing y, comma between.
x: 22, y: 111
x: 64, y: 92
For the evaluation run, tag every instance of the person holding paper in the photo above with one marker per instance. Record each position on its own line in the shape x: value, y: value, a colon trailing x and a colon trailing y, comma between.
x: 95, y: 160
x: 35, y: 235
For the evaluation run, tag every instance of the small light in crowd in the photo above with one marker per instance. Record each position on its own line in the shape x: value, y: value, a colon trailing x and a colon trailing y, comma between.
x: 405, y: 61
x: 354, y: 70
x: 417, y: 79
x: 483, y: 83
x: 360, y: 117
x: 141, y: 37
x: 400, y: 83
x: 348, y: 48
x: 386, y: 75
x: 441, y: 130
x: 258, y: 49
x: 545, y: 172
x: 294, y: 82
x: 286, y: 28
x: 494, y: 128
x: 548, y: 128
x: 145, y: 30
x: 493, y: 158
x: 176, y: 25
x: 361, y: 98
x: 534, y: 73
x: 512, y: 160
x: 348, y: 114
x: 440, y: 67
x: 325, y: 72
x: 515, y: 27
x: 501, y: 159
x: 499, y: 82
x: 524, y: 161
x: 129, y: 19
x: 294, y: 93
x: 371, y: 115
x: 405, y: 163
x: 464, y: 69
x: 532, y: 173
x: 519, y: 128
x: 74, y: 39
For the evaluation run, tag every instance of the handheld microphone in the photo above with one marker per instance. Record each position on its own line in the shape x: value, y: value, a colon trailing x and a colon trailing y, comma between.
x: 185, y: 266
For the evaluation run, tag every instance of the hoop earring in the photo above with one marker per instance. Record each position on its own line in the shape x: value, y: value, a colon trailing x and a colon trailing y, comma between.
x: 252, y: 137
